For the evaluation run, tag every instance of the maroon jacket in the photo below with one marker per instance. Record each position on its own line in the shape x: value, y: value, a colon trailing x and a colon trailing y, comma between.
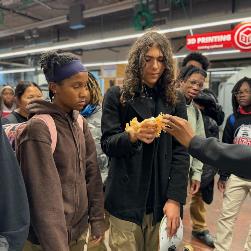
x: 64, y: 188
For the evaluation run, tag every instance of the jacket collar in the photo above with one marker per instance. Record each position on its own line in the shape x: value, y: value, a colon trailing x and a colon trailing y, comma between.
x: 144, y: 111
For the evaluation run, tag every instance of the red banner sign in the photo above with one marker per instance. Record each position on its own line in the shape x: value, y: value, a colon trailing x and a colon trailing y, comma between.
x: 240, y: 38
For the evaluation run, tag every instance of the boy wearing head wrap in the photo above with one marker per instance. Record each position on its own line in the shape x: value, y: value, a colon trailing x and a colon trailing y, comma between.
x: 64, y: 187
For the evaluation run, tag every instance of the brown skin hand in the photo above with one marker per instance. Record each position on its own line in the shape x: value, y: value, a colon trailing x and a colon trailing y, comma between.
x: 180, y: 129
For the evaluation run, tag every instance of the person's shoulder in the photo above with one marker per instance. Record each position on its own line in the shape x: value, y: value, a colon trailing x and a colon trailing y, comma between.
x: 5, y: 121
x: 180, y: 98
x: 95, y: 119
x: 112, y: 95
x: 113, y: 91
x: 10, y: 119
x: 37, y: 129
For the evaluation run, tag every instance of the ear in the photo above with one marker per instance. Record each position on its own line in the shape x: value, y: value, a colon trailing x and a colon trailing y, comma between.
x: 53, y: 87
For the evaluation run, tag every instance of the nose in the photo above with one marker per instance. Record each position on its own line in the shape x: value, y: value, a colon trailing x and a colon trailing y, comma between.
x: 155, y: 64
x: 196, y: 88
x: 82, y: 92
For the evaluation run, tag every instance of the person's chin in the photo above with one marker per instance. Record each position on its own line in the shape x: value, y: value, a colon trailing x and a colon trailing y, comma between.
x: 79, y: 107
x: 243, y: 103
x: 192, y: 95
x: 152, y: 83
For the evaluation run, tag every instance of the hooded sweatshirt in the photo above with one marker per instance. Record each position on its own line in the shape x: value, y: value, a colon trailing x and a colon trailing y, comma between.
x: 64, y: 188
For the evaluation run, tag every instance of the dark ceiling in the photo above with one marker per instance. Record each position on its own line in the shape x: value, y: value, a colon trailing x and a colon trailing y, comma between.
x: 28, y: 24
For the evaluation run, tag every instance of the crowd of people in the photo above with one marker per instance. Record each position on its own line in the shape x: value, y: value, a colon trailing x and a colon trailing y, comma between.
x: 77, y: 173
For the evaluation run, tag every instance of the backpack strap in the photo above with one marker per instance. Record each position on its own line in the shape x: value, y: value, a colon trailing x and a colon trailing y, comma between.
x: 80, y: 122
x: 232, y: 120
x: 50, y: 123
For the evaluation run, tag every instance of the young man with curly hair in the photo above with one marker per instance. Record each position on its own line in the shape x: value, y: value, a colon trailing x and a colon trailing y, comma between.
x: 147, y: 175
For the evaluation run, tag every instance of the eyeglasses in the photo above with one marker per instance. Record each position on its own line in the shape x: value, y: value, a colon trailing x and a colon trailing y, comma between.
x: 245, y: 92
x: 195, y: 82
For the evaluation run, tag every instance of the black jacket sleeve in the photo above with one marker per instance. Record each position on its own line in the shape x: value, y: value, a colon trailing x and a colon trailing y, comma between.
x: 14, y: 209
x: 229, y: 158
x: 228, y: 133
x: 115, y: 141
x: 228, y: 137
x: 216, y: 113
x: 177, y: 190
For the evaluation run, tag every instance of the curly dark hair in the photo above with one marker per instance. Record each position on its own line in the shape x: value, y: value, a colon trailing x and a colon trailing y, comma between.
x: 132, y: 84
x: 49, y: 59
x: 235, y: 89
x: 198, y: 57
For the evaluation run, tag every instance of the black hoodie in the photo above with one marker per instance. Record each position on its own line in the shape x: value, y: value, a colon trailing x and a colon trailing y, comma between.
x: 14, y: 209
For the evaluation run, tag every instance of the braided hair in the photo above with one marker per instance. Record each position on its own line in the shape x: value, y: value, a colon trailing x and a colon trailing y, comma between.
x: 236, y: 88
x: 94, y: 89
x: 50, y: 59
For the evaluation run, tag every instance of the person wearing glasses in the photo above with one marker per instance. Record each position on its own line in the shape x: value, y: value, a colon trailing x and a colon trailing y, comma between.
x: 235, y: 187
x: 191, y: 83
x: 213, y: 116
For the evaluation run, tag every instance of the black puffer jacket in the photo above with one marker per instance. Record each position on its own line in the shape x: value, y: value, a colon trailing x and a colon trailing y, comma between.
x: 212, y: 109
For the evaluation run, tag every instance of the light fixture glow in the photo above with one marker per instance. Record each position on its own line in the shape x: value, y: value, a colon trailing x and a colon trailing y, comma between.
x: 119, y: 38
x: 105, y: 63
x: 206, y: 25
x: 223, y: 72
x: 119, y: 62
x: 17, y: 70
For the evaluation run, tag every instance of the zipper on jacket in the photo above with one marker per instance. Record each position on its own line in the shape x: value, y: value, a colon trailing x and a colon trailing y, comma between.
x: 76, y: 168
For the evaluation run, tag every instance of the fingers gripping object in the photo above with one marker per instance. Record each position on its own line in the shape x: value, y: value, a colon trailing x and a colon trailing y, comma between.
x: 156, y: 122
x: 166, y: 243
x: 188, y: 248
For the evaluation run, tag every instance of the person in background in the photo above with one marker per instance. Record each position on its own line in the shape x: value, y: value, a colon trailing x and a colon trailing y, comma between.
x: 211, y: 113
x: 191, y: 83
x: 213, y: 116
x: 25, y: 92
x: 14, y: 208
x: 92, y: 112
x: 8, y: 100
x: 64, y: 187
x: 236, y: 188
x: 196, y: 59
x: 147, y: 176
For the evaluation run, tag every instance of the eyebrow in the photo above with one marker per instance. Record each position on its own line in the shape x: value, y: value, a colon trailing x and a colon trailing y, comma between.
x: 153, y: 57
